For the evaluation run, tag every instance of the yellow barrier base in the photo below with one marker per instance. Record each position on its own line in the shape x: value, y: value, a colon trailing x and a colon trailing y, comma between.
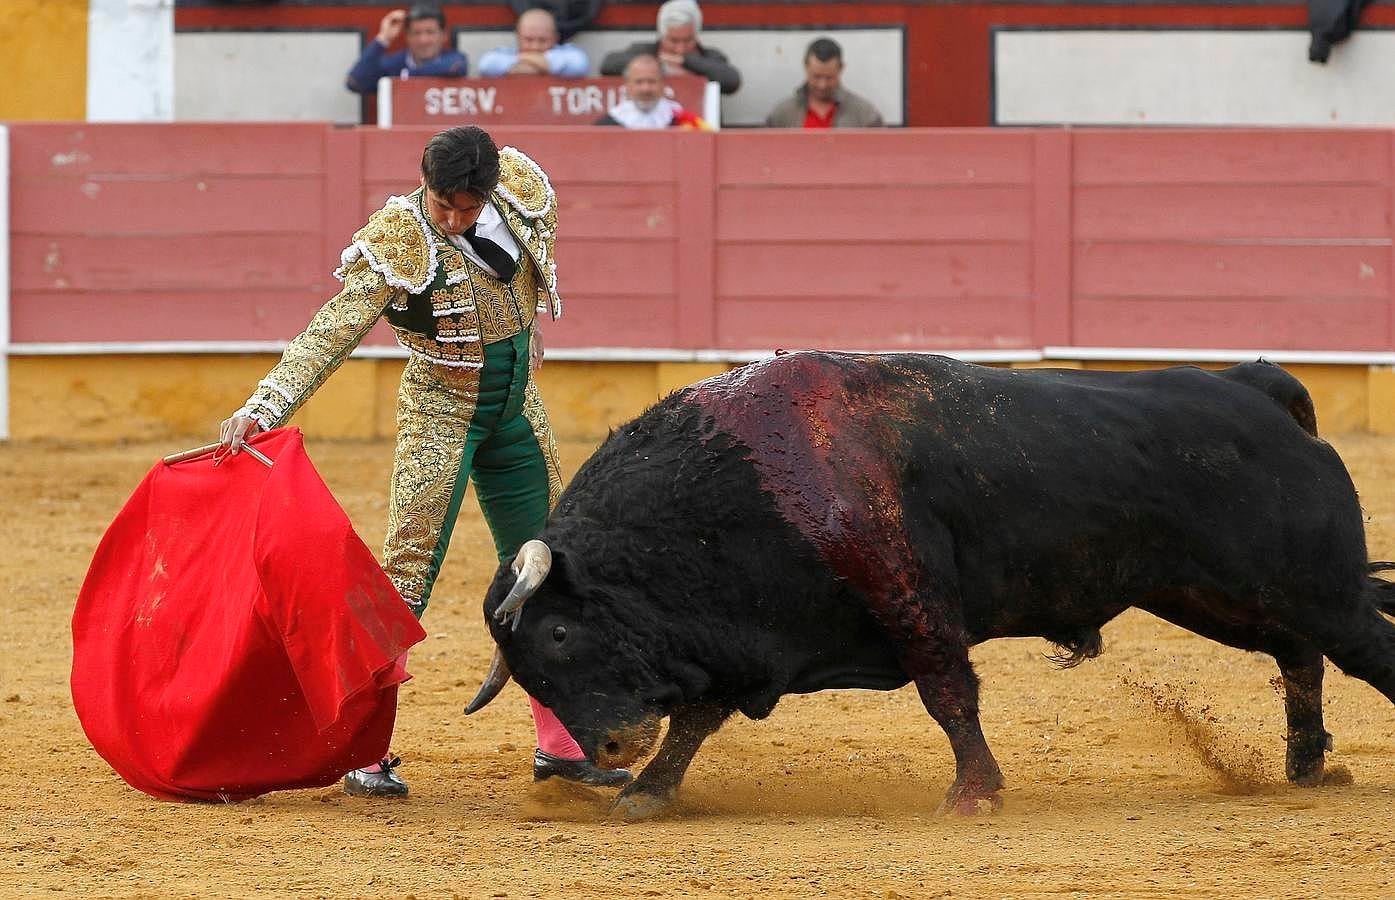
x: 126, y: 397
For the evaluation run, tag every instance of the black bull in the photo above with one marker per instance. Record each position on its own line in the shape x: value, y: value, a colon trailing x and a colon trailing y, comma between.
x: 828, y: 520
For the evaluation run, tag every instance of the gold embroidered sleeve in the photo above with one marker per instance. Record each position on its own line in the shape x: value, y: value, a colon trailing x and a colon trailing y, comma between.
x: 319, y: 350
x: 548, y: 295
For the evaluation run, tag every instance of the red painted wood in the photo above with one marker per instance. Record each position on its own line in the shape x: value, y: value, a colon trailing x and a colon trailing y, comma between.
x: 872, y: 273
x: 1389, y: 194
x: 209, y: 314
x: 180, y: 262
x: 593, y: 155
x: 1051, y: 244
x: 696, y: 160
x: 875, y: 157
x: 1230, y: 270
x: 876, y: 213
x: 851, y: 323
x: 1231, y: 212
x: 1241, y: 238
x: 342, y: 190
x: 210, y: 205
x: 78, y: 150
x: 643, y: 212
x: 609, y: 320
x: 638, y: 269
x: 1221, y: 157
x: 1241, y: 323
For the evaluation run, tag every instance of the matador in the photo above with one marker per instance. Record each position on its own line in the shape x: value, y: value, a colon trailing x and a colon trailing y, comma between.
x: 460, y: 268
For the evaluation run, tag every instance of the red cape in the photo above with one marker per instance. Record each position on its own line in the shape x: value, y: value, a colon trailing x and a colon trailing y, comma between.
x: 234, y: 635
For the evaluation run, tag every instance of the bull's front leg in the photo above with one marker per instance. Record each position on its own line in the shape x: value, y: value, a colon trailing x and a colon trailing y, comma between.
x: 950, y: 694
x: 1307, y: 738
x: 653, y: 790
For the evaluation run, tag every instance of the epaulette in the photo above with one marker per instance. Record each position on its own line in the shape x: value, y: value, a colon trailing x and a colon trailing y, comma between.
x: 398, y: 245
x: 524, y: 185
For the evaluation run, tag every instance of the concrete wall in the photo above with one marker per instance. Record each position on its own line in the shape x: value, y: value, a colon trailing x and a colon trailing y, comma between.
x: 130, y: 60
x: 1214, y: 77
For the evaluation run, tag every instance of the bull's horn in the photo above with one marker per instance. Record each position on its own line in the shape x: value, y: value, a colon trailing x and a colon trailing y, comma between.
x: 494, y: 682
x: 531, y: 565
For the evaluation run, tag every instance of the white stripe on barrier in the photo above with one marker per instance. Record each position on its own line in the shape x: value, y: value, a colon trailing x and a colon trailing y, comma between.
x: 663, y: 354
x: 712, y: 105
x: 563, y: 354
x: 384, y: 102
x: 1164, y: 354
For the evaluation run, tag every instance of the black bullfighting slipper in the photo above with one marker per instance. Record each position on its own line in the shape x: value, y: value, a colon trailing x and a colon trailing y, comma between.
x: 385, y: 783
x: 582, y: 771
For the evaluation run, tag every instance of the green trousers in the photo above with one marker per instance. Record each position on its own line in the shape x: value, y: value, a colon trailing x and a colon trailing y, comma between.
x: 501, y: 441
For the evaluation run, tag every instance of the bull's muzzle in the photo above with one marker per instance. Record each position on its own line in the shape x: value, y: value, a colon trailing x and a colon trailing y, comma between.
x: 622, y: 746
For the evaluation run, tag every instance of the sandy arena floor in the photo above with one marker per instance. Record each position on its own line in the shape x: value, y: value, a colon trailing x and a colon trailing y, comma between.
x: 1154, y: 771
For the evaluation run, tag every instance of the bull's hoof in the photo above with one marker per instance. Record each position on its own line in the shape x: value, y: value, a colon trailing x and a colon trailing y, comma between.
x: 1307, y: 774
x: 962, y: 800
x: 636, y: 806
x: 1303, y: 764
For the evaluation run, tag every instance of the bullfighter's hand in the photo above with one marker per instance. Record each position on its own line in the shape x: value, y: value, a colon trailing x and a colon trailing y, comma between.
x: 391, y: 26
x: 235, y: 430
x: 535, y: 351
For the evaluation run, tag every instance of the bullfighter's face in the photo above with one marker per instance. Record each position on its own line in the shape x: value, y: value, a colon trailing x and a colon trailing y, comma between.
x: 571, y: 653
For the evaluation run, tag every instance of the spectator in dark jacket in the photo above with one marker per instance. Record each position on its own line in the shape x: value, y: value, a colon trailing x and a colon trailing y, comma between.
x: 426, y: 53
x: 822, y: 101
x: 678, y: 48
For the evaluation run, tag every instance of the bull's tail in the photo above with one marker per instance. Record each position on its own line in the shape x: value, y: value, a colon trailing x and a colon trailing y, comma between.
x: 1380, y: 592
x: 1359, y: 640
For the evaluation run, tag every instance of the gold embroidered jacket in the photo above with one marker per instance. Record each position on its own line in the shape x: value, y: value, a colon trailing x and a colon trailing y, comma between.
x: 398, y: 257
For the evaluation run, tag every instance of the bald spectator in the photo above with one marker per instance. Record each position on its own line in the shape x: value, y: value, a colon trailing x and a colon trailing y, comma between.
x: 679, y: 48
x: 822, y: 101
x: 645, y: 106
x: 426, y: 54
x: 537, y: 51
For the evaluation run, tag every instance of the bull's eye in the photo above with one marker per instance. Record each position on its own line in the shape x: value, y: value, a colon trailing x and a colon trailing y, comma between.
x: 559, y: 634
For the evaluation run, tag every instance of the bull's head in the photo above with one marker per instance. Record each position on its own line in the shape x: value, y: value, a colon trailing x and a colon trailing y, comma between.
x: 565, y: 645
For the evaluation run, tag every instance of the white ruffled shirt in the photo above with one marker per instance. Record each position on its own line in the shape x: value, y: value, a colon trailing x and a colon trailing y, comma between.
x: 631, y: 116
x: 489, y: 225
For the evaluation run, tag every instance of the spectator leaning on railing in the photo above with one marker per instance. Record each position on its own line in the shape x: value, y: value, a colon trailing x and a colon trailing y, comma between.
x: 822, y: 101
x: 678, y: 48
x: 537, y: 51
x: 426, y: 53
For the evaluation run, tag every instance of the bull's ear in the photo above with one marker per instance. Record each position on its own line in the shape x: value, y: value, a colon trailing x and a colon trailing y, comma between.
x: 567, y: 583
x: 560, y: 576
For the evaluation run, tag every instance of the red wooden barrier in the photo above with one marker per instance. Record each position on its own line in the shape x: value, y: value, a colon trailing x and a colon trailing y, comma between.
x: 1233, y: 239
x: 870, y: 241
x: 1008, y: 240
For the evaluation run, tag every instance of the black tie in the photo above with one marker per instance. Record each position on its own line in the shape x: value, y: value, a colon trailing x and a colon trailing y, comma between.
x: 494, y: 256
